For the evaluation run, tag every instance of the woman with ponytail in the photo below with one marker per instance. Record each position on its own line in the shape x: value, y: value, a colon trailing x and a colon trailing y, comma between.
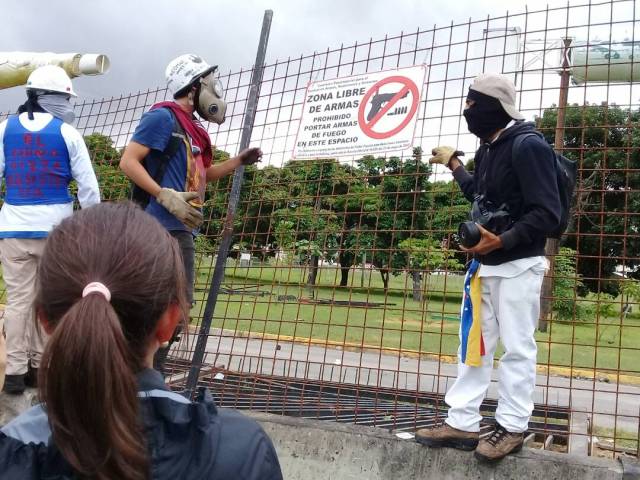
x: 111, y: 291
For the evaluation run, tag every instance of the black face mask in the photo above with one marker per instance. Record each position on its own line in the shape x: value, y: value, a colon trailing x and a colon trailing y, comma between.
x: 486, y: 116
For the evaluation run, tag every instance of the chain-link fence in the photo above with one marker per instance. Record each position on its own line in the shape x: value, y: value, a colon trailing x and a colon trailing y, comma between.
x: 341, y: 296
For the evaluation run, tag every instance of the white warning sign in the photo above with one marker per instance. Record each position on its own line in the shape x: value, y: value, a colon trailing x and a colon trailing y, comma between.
x: 360, y: 115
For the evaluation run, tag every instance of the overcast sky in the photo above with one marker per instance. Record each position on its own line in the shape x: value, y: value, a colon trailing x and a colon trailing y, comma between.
x: 142, y: 36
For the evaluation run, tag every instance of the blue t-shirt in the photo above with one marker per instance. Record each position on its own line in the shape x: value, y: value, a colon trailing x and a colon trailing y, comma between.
x: 185, y: 172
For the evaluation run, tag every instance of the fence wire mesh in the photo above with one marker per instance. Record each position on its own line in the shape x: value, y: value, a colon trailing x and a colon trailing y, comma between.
x: 341, y: 297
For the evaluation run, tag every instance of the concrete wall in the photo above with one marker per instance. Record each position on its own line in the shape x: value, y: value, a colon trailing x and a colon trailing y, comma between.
x: 322, y: 450
x: 329, y: 451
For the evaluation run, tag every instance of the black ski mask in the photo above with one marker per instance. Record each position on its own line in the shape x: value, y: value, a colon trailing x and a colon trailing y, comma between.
x: 486, y: 116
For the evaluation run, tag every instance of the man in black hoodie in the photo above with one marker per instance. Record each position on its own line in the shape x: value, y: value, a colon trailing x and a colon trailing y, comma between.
x: 520, y: 182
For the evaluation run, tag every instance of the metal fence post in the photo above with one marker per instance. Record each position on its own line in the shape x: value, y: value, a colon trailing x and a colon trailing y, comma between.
x: 234, y: 197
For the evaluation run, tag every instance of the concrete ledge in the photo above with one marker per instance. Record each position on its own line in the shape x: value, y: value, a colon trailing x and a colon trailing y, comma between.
x: 333, y: 451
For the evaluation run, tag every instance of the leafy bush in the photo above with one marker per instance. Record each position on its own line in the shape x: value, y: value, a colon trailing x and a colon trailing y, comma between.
x: 566, y: 284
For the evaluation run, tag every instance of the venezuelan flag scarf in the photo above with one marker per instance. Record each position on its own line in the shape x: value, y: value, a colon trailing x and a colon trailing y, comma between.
x: 471, y: 344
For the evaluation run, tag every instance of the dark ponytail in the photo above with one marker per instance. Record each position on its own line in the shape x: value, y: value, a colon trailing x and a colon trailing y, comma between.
x: 88, y: 353
x: 87, y: 376
x: 31, y: 105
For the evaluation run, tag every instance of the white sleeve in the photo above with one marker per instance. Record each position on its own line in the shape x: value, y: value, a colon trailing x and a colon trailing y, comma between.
x: 81, y: 168
x: 3, y: 127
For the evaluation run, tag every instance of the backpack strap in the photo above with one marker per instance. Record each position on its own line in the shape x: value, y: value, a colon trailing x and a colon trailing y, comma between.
x: 140, y: 196
x: 175, y: 142
x: 518, y: 141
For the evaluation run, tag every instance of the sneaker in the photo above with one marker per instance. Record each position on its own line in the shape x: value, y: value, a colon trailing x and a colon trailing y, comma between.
x: 14, y: 384
x: 499, y: 444
x: 444, y: 435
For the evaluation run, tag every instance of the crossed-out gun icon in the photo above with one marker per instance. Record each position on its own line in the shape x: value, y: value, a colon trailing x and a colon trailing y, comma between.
x: 378, y: 100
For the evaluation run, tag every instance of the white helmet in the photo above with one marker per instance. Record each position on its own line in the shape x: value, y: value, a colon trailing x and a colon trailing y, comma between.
x: 182, y: 71
x: 52, y: 79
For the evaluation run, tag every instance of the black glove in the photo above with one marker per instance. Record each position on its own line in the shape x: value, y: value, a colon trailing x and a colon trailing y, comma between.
x: 249, y: 156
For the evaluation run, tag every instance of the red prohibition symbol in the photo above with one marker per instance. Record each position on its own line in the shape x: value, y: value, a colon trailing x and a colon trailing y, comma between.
x: 408, y: 86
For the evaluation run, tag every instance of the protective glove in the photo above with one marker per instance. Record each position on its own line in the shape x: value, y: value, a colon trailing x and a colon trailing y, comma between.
x: 249, y: 156
x: 444, y: 154
x: 176, y: 203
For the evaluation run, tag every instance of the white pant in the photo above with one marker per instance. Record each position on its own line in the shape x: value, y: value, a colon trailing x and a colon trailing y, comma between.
x: 510, y: 309
x: 25, y: 339
x: 3, y: 350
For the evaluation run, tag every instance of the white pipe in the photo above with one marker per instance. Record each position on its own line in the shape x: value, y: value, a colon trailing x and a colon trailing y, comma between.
x: 93, y: 64
x: 15, y: 67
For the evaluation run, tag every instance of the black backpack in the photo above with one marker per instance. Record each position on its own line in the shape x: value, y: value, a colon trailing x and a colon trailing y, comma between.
x: 566, y: 174
x: 140, y: 196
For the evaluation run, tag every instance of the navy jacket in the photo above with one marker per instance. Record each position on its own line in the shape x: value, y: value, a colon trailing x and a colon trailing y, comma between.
x: 186, y: 441
x: 526, y: 183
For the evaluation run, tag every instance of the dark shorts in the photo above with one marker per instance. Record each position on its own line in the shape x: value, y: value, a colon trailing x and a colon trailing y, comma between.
x: 188, y: 250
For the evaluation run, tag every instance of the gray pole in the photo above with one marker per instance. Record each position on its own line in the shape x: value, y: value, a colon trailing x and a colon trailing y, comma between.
x: 234, y: 197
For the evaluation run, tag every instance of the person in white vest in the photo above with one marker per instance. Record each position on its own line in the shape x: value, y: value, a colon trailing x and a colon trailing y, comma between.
x: 40, y: 154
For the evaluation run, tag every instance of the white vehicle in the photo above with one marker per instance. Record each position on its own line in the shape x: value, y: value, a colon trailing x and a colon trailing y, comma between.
x: 605, y: 61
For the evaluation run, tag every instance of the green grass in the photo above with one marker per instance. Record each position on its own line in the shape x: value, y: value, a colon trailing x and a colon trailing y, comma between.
x: 402, y: 324
x: 622, y: 438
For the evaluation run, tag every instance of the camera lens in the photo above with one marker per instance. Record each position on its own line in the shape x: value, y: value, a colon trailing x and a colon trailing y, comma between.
x: 469, y: 234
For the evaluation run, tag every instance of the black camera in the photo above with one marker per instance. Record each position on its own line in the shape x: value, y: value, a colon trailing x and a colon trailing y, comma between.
x: 484, y: 213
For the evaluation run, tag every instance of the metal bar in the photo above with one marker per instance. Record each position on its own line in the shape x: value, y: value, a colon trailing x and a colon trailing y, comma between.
x: 548, y: 442
x: 234, y: 197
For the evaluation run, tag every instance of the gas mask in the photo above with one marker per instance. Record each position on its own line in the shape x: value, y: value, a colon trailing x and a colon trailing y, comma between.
x: 209, y: 101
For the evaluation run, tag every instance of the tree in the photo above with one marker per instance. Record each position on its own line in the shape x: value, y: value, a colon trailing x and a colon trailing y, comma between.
x: 101, y: 149
x: 316, y: 232
x: 631, y: 291
x: 217, y: 201
x: 567, y: 283
x: 285, y: 234
x: 114, y: 184
x: 265, y: 192
x: 450, y: 208
x: 425, y: 255
x: 355, y: 244
x: 304, y: 193
x: 605, y: 141
x: 355, y: 210
x: 402, y: 211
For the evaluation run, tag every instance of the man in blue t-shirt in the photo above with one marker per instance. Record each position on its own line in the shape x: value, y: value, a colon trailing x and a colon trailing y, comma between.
x: 176, y: 185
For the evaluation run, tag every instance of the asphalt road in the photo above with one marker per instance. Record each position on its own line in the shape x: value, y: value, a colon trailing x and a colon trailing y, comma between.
x: 606, y: 403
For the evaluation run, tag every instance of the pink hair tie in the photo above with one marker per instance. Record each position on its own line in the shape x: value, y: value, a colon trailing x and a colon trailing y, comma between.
x: 97, y: 287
